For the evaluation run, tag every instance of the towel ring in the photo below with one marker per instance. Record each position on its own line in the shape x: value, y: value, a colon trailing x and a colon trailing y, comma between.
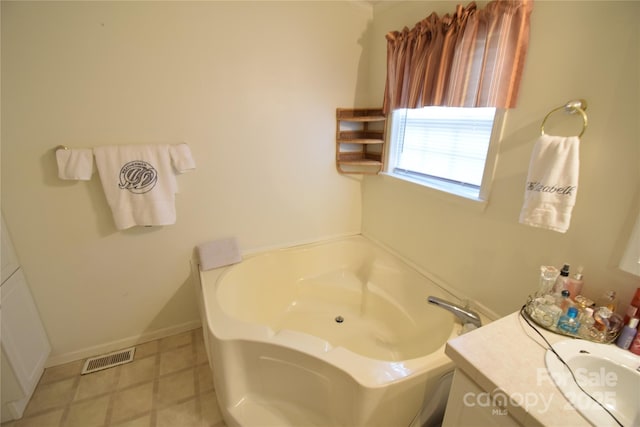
x: 571, y: 107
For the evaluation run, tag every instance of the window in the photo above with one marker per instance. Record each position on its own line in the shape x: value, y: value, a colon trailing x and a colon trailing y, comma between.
x: 448, y: 148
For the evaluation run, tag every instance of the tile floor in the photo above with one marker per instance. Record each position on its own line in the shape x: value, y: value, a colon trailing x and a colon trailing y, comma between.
x: 167, y: 384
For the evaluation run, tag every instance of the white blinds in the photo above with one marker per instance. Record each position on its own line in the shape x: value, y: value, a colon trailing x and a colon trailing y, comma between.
x: 444, y: 143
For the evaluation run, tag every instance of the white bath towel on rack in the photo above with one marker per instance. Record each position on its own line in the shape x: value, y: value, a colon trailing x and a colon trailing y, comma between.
x: 75, y: 163
x: 552, y: 183
x: 139, y: 181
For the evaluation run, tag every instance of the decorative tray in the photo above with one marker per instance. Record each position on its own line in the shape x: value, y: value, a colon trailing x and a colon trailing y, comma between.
x: 589, y: 333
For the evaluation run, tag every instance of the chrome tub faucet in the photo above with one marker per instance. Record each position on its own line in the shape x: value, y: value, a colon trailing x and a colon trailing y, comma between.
x: 465, y: 315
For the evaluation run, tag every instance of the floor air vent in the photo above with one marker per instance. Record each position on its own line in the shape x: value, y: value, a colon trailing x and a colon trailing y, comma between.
x: 110, y: 360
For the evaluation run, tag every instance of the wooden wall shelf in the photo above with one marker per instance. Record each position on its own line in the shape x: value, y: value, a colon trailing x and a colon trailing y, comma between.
x: 360, y: 140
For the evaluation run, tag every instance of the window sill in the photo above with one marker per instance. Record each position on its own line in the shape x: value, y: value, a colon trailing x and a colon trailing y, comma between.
x: 440, y: 191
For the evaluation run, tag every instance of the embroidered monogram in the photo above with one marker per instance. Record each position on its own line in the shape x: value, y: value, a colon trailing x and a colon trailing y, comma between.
x: 138, y: 177
x: 540, y: 187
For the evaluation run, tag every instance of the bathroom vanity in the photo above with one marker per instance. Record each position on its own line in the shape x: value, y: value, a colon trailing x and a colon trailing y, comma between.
x: 501, y: 379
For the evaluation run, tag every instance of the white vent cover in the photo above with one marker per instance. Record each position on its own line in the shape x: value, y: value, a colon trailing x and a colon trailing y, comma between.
x: 110, y: 360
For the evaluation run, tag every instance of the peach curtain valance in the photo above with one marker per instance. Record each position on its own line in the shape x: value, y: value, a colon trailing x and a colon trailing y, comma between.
x: 473, y: 58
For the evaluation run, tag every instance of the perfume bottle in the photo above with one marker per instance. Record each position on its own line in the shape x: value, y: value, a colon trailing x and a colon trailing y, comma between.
x: 545, y: 311
x: 609, y: 300
x: 561, y: 281
x: 575, y: 283
x: 601, y: 317
x: 587, y: 330
x: 569, y: 322
x: 565, y: 302
x: 548, y: 276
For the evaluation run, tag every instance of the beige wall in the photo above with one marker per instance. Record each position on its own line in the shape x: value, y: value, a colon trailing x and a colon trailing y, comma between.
x: 578, y: 49
x: 251, y: 87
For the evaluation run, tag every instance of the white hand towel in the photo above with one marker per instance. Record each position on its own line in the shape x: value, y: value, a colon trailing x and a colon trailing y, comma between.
x: 181, y: 158
x: 139, y: 181
x: 552, y: 183
x: 75, y: 163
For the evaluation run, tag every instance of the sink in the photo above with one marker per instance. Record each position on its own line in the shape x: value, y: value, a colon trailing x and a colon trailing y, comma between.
x: 610, y: 374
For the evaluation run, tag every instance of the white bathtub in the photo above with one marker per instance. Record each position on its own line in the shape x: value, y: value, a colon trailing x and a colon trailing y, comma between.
x: 280, y: 358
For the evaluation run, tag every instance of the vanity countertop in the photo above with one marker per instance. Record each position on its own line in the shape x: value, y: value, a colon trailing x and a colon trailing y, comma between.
x: 506, y: 358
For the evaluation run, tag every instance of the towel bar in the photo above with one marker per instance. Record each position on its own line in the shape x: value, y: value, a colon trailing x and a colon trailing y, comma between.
x: 571, y: 107
x: 61, y: 147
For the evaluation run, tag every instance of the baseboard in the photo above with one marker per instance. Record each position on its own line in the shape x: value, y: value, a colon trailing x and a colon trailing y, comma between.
x: 60, y: 359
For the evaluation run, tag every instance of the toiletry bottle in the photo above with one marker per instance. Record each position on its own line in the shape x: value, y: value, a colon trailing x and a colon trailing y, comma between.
x: 547, y: 312
x: 561, y: 281
x: 584, y: 314
x: 569, y: 322
x: 601, y: 317
x: 548, y: 276
x: 634, y: 308
x: 583, y: 302
x: 609, y: 300
x: 574, y: 284
x: 628, y: 333
x: 565, y: 301
x: 635, y: 345
x: 586, y: 324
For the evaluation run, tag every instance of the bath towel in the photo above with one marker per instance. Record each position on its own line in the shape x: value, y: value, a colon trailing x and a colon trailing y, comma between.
x: 139, y: 181
x: 218, y: 253
x: 75, y: 163
x: 552, y: 183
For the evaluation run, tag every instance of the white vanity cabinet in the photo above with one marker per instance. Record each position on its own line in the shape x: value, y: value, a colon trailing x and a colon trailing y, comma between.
x: 470, y: 405
x: 501, y: 379
x: 24, y: 342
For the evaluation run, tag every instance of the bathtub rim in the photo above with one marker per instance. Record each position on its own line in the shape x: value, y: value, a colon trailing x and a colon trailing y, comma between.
x: 368, y: 372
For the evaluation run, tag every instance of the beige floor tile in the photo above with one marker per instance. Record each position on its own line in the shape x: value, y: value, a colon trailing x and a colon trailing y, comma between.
x: 135, y: 394
x: 60, y: 372
x: 132, y: 402
x: 88, y: 413
x: 176, y: 359
x: 211, y: 414
x: 147, y: 349
x: 201, y: 353
x: 144, y: 421
x: 138, y: 371
x: 49, y: 396
x: 205, y: 378
x: 49, y: 419
x: 175, y: 387
x: 96, y: 383
x: 183, y: 414
x: 177, y: 340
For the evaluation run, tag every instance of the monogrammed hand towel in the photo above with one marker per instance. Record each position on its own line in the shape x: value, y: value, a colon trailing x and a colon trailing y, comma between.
x: 139, y: 181
x: 552, y: 183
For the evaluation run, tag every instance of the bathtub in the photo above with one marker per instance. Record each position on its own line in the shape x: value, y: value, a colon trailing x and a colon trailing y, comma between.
x: 336, y: 333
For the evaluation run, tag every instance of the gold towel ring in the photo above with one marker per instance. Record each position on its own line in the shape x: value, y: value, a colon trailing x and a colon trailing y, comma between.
x: 571, y: 107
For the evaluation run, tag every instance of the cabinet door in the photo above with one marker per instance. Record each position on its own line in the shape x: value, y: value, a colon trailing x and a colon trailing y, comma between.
x: 7, y: 254
x: 24, y: 340
x: 463, y: 409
